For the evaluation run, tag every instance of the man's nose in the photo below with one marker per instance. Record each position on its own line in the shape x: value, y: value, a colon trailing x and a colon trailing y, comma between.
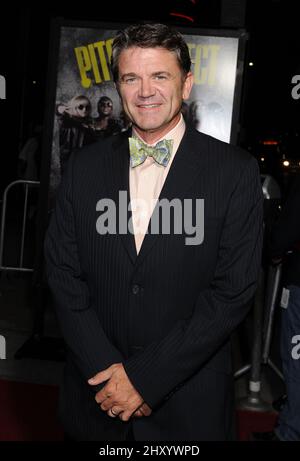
x: 146, y: 88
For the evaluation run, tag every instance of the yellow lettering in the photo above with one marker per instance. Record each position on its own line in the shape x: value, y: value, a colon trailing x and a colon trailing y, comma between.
x: 84, y: 64
x: 108, y: 45
x: 94, y: 64
x: 205, y: 59
x: 105, y: 70
x: 200, y: 69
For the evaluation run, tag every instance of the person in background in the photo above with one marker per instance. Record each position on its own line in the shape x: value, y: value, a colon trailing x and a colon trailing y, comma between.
x: 105, y: 124
x: 284, y: 248
x: 209, y: 118
x: 74, y: 127
x: 29, y: 159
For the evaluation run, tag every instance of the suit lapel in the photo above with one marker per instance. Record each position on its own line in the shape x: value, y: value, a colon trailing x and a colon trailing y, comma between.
x: 185, y: 168
x: 118, y: 176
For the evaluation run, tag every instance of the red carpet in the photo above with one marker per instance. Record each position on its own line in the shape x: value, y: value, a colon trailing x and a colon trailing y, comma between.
x: 28, y: 412
x: 253, y: 421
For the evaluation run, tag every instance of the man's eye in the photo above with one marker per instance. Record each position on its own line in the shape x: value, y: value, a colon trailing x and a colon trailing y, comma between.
x: 130, y: 80
x: 160, y: 77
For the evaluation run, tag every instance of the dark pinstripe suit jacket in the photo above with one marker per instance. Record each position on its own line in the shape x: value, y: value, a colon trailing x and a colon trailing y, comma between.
x: 167, y: 313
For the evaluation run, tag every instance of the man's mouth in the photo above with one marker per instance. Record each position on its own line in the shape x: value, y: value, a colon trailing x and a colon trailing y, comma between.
x: 148, y: 106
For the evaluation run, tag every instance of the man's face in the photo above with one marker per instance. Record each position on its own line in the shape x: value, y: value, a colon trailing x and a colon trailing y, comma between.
x: 152, y: 88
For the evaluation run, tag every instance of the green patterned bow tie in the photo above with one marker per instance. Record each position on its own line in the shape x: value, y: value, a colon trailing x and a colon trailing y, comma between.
x: 139, y: 151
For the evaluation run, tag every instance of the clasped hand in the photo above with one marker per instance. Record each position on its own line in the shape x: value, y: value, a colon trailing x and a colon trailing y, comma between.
x: 119, y: 397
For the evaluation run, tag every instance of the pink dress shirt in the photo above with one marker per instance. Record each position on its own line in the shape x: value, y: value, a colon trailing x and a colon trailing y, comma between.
x: 146, y: 182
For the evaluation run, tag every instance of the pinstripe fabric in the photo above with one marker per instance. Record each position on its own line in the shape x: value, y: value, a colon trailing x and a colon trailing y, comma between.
x: 166, y: 313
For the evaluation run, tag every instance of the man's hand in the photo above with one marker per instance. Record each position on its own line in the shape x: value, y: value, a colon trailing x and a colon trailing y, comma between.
x: 118, y: 397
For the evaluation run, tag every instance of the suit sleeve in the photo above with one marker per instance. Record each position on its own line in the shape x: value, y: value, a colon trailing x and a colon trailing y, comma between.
x: 165, y: 365
x: 81, y: 329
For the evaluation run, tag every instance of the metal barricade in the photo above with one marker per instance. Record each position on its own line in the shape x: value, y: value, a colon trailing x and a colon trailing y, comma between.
x: 263, y: 328
x: 272, y: 298
x: 37, y: 346
x: 27, y: 184
x: 264, y: 308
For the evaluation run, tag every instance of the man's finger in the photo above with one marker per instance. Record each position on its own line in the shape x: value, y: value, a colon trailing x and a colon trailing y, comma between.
x: 125, y: 416
x: 100, y: 377
x: 104, y: 396
x: 145, y: 409
x: 104, y: 405
x: 113, y: 412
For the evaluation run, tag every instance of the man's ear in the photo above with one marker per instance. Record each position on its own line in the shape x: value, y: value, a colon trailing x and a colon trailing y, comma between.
x: 187, y: 85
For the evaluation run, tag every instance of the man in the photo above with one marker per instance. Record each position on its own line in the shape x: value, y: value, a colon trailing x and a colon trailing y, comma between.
x: 148, y: 314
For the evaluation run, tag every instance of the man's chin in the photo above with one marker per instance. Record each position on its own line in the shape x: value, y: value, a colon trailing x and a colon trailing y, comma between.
x: 150, y: 126
x: 149, y: 129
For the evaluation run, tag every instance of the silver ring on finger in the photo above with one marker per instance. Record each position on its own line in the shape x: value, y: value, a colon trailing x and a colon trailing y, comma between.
x: 113, y: 413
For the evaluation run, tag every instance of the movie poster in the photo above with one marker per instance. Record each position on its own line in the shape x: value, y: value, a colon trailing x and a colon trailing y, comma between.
x: 88, y: 106
x: 214, y: 65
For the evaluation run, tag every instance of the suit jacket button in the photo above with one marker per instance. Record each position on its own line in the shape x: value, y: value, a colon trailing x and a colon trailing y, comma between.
x: 135, y: 289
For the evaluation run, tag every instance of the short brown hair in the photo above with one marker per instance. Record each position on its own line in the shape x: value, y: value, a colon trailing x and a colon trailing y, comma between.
x: 150, y: 36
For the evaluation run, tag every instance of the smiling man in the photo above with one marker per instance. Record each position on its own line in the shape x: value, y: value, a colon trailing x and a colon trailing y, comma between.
x: 152, y: 87
x: 146, y: 317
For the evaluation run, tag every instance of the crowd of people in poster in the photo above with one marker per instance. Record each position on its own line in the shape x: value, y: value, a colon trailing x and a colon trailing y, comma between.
x: 77, y: 127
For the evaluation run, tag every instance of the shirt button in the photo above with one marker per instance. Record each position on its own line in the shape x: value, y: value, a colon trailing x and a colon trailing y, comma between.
x: 135, y: 289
